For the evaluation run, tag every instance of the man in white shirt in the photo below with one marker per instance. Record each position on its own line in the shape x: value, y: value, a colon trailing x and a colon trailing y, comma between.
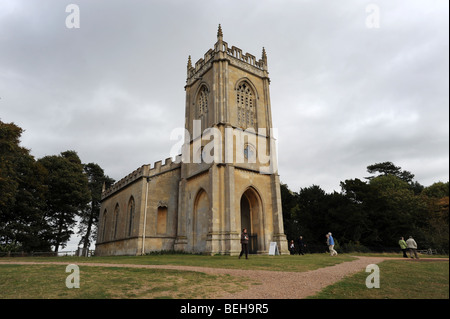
x: 412, y: 246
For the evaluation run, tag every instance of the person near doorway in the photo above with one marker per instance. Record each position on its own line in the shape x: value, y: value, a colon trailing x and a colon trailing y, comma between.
x: 244, y: 243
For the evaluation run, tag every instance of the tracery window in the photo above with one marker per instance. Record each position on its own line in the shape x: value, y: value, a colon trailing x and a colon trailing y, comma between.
x: 202, y: 101
x: 202, y: 106
x: 246, y: 111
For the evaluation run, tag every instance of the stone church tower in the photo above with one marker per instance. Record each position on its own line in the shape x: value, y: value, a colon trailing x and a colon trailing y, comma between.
x: 225, y: 180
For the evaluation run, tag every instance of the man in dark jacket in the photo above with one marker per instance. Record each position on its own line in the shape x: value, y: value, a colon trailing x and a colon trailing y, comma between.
x: 301, y: 245
x: 244, y: 244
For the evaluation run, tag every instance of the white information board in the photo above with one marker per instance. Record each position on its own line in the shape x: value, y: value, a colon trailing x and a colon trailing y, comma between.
x: 273, y: 249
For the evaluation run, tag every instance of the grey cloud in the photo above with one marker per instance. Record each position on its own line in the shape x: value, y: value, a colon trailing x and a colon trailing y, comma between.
x: 343, y: 96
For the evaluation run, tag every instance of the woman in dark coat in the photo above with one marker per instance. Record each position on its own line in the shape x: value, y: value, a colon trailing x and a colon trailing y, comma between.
x: 244, y: 243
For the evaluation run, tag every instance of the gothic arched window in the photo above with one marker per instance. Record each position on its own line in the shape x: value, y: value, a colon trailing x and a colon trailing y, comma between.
x: 202, y: 106
x: 246, y: 111
x: 116, y: 221
x: 104, y: 225
x: 202, y: 101
x: 131, y: 207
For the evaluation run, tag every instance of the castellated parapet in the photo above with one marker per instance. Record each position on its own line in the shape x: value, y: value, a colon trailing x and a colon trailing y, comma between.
x: 234, y: 55
x: 145, y: 171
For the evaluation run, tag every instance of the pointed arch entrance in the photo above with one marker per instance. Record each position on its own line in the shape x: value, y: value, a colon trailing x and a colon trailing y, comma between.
x: 251, y: 219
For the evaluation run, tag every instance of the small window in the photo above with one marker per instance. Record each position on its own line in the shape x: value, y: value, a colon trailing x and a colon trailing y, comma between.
x: 161, y: 221
x: 250, y: 153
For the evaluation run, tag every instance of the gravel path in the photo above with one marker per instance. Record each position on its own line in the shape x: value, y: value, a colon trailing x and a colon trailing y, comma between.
x: 297, y: 285
x: 274, y: 284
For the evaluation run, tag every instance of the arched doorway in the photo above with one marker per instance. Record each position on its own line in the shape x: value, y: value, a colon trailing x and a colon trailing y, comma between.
x: 251, y: 219
x: 200, y: 227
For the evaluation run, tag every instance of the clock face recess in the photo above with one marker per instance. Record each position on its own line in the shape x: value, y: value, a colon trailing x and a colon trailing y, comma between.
x: 249, y: 152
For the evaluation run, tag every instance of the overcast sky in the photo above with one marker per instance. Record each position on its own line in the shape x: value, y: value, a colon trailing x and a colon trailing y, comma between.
x: 347, y: 89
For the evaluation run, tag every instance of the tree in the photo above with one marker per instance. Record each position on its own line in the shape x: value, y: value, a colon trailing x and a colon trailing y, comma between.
x: 31, y: 230
x: 89, y: 217
x: 348, y: 219
x: 355, y: 190
x: 397, y: 210
x: 388, y: 168
x: 437, y: 190
x: 67, y: 194
x: 437, y: 232
x: 290, y: 212
x: 40, y: 200
x: 21, y: 194
x: 313, y: 218
x: 9, y: 152
x: 371, y: 214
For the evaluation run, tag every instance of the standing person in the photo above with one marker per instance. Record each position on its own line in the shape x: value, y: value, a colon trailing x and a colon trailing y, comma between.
x: 292, y: 247
x: 244, y: 244
x: 330, y: 243
x: 412, y: 246
x: 403, y: 246
x: 301, y: 244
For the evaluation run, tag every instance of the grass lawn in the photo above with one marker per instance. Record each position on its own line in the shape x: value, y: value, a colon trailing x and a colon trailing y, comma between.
x: 257, y: 262
x: 399, y: 279
x: 49, y: 282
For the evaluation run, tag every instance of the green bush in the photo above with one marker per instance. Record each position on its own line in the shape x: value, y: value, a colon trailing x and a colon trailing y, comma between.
x: 351, y: 247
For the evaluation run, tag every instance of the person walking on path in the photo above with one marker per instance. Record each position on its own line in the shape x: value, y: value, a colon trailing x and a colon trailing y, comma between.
x: 403, y: 246
x: 301, y: 244
x: 244, y: 243
x: 412, y: 246
x: 330, y: 243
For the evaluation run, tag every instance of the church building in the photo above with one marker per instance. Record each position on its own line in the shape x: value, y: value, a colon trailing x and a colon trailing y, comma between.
x: 224, y: 180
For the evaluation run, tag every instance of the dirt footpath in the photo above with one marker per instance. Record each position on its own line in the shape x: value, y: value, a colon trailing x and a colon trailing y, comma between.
x: 274, y: 284
x: 297, y: 285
